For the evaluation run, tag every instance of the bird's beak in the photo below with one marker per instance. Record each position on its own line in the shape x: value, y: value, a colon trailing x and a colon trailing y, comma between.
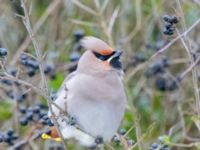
x: 117, y: 54
x: 115, y: 60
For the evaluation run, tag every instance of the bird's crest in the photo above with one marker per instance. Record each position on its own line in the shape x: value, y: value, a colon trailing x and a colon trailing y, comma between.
x: 97, y: 45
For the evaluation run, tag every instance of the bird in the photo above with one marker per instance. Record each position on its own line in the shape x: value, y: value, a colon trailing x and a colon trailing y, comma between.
x: 93, y: 96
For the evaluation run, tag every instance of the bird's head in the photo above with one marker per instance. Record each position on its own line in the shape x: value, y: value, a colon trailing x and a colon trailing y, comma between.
x: 99, y: 56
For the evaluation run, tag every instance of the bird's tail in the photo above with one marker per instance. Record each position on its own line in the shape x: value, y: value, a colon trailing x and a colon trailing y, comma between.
x: 51, y: 134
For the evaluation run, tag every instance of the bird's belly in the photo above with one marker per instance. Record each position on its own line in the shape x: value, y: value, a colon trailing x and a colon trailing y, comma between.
x: 98, y: 119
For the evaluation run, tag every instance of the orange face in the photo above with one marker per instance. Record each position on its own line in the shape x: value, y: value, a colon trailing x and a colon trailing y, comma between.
x: 106, y: 52
x: 106, y: 65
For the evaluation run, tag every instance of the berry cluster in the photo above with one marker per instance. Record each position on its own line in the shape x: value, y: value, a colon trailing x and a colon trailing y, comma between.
x: 8, y: 137
x: 7, y: 82
x: 116, y: 139
x: 49, y: 69
x: 170, y: 22
x: 164, y: 83
x: 159, y: 146
x: 31, y: 64
x: 3, y: 52
x: 19, y: 97
x: 16, y: 94
x: 122, y: 132
x: 157, y: 67
x: 157, y: 71
x: 37, y: 114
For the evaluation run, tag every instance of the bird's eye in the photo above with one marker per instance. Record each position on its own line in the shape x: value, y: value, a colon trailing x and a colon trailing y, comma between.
x: 103, y: 57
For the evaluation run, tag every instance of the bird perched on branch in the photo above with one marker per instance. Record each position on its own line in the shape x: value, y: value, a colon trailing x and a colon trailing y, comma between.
x: 93, y: 96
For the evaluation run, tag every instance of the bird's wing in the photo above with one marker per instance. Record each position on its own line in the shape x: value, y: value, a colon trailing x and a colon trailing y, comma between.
x: 62, y: 96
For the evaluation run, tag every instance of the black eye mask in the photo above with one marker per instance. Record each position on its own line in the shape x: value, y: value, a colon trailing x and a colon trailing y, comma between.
x: 103, y: 57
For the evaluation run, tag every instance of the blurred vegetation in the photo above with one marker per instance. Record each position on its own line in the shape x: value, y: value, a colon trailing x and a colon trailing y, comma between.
x: 136, y: 27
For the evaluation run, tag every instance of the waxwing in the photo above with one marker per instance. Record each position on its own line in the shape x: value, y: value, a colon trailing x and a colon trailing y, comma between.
x: 92, y: 99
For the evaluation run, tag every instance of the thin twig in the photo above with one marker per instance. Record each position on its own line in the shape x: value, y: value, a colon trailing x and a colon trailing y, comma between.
x: 84, y: 7
x: 112, y: 20
x: 36, y: 28
x: 27, y: 24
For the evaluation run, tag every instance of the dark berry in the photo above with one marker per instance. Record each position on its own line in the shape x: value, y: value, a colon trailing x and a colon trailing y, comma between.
x: 23, y: 121
x: 78, y: 34
x: 22, y: 109
x: 172, y: 85
x: 21, y: 97
x: 45, y: 117
x: 42, y: 106
x: 122, y: 131
x: 31, y: 72
x: 72, y: 68
x: 3, y: 52
x: 49, y: 123
x: 157, y: 67
x: 13, y: 72
x: 154, y: 145
x: 7, y: 82
x: 23, y: 57
x: 74, y: 56
x: 169, y: 31
x: 41, y: 114
x: 36, y: 109
x: 32, y: 64
x: 48, y: 132
x: 168, y: 25
x: 166, y: 18
x: 29, y: 115
x: 166, y: 31
x: 174, y: 19
x: 7, y: 138
x: 53, y: 95
x: 10, y: 132
x: 116, y: 139
x: 161, y: 83
x: 49, y: 69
